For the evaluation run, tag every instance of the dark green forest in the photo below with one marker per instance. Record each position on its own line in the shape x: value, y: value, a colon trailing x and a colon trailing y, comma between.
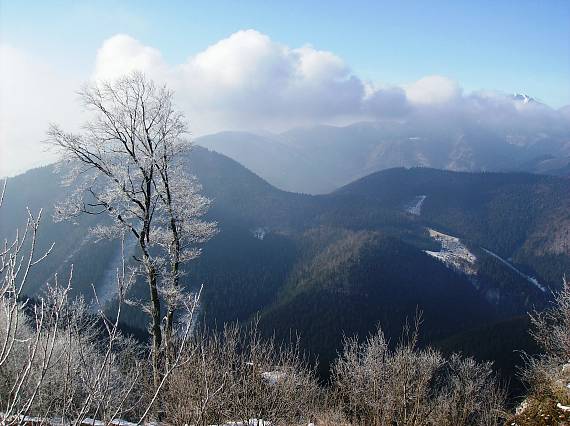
x: 328, y: 266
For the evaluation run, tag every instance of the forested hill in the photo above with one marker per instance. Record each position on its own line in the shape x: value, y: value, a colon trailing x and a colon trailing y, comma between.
x: 342, y: 262
x: 240, y: 194
x: 520, y: 216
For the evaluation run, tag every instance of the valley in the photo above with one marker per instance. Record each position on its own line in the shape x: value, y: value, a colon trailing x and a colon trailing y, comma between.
x: 372, y: 252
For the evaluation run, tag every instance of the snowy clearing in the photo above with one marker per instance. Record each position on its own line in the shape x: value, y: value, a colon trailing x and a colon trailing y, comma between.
x: 457, y: 256
x: 453, y: 253
x: 259, y: 233
x: 415, y: 206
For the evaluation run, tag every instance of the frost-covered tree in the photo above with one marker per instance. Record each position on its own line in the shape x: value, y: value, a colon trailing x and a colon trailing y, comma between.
x: 179, y: 229
x: 128, y: 163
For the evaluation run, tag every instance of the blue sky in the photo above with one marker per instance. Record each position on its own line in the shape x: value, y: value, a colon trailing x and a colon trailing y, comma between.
x: 498, y: 45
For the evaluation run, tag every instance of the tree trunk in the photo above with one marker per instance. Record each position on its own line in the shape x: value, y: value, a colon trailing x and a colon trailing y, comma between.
x: 168, y: 344
x: 155, y: 327
x: 154, y: 312
x: 175, y: 269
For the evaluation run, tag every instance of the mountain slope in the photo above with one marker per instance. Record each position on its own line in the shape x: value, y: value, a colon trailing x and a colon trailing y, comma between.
x: 522, y: 217
x: 342, y: 262
x: 320, y: 159
x: 356, y: 280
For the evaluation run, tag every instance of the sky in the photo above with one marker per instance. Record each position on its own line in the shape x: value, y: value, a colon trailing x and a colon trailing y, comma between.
x: 261, y: 65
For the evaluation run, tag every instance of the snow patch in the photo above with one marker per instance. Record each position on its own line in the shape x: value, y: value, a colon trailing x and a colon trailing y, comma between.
x: 415, y: 206
x: 522, y: 97
x: 35, y: 420
x: 259, y: 233
x: 530, y: 279
x: 273, y: 377
x: 250, y: 422
x: 453, y: 253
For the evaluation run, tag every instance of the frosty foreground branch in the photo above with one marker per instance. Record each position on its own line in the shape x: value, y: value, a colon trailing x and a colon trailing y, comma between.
x: 58, y: 360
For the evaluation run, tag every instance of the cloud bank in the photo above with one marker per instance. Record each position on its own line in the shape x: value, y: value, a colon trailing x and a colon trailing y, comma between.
x: 31, y: 95
x: 249, y: 82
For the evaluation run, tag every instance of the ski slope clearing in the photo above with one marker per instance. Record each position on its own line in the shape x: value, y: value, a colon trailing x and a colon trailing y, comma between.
x: 530, y: 279
x: 453, y: 253
x: 415, y: 206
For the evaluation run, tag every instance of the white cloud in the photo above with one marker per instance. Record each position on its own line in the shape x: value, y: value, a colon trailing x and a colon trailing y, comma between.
x: 246, y: 81
x: 433, y: 89
x: 32, y: 95
x: 122, y: 54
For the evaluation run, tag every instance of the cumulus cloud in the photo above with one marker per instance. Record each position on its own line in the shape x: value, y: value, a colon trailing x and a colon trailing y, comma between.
x: 433, y: 89
x: 387, y: 102
x: 122, y: 54
x: 248, y: 81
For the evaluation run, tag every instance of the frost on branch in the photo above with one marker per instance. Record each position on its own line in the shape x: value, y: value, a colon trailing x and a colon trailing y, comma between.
x: 130, y: 163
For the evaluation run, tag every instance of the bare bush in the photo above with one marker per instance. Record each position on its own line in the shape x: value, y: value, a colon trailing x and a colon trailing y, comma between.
x: 74, y: 367
x: 548, y: 375
x: 56, y: 358
x: 468, y: 394
x: 376, y: 385
x: 235, y: 375
x: 551, y: 328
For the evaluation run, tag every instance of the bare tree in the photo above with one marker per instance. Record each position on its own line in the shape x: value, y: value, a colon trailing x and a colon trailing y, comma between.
x: 17, y: 259
x: 127, y: 164
x: 180, y: 228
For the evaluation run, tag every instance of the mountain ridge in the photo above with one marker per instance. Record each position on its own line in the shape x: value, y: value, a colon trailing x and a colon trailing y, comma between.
x: 319, y: 159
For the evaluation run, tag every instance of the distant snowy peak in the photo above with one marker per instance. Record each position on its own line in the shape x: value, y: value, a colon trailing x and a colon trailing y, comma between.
x: 523, y: 98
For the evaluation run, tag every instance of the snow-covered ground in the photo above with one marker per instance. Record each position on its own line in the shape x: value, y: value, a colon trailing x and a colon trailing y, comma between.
x: 259, y: 233
x: 33, y: 420
x: 415, y: 207
x: 453, y: 253
x: 250, y: 422
x: 530, y: 279
x: 457, y: 256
